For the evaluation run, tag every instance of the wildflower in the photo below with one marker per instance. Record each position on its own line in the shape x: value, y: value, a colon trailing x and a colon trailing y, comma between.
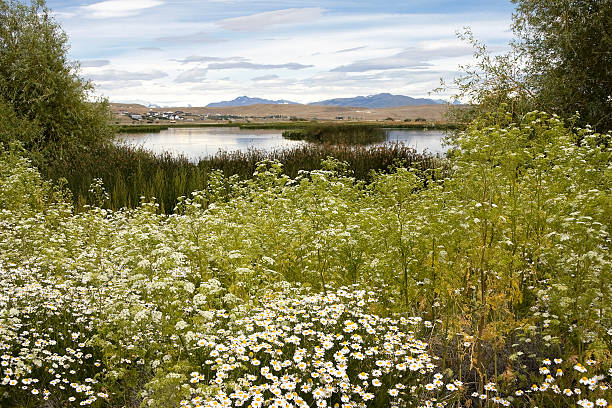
x: 579, y: 367
x: 490, y: 387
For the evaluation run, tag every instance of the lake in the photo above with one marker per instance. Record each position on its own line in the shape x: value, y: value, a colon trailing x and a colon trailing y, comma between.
x: 196, y: 143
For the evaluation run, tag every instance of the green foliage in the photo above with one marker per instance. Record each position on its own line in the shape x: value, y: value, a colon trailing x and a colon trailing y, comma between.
x: 13, y: 128
x: 568, y: 47
x: 41, y: 87
x: 490, y: 83
x: 338, y: 134
x: 131, y: 173
x: 141, y: 128
x: 559, y: 62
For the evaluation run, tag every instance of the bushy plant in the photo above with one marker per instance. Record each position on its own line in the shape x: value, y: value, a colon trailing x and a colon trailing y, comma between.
x: 41, y: 88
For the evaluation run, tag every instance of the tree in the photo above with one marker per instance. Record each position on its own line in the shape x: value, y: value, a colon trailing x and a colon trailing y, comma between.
x: 568, y: 44
x: 41, y: 87
x: 560, y: 62
x: 489, y: 82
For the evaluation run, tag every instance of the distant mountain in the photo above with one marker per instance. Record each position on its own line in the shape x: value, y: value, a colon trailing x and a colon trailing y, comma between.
x: 383, y: 100
x: 246, y: 101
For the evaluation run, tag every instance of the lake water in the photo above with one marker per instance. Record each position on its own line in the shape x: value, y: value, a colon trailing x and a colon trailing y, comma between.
x: 196, y: 143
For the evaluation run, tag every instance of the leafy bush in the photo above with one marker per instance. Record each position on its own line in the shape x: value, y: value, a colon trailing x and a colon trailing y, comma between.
x: 53, y: 105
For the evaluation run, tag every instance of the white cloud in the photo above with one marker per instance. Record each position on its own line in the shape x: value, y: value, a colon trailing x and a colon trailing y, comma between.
x: 94, y: 63
x: 350, y: 50
x: 192, y: 75
x: 198, y: 58
x: 410, y: 58
x: 118, y: 85
x: 200, y: 37
x: 265, y: 78
x: 118, y: 8
x: 262, y: 21
x: 117, y: 75
x: 250, y: 65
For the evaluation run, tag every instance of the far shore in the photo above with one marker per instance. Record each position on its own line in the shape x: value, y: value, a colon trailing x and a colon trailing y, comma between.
x: 282, y: 113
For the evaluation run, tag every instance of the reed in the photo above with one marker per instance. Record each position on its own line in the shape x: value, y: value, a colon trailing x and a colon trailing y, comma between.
x: 129, y: 173
x: 338, y: 134
x: 140, y: 128
x: 156, y: 128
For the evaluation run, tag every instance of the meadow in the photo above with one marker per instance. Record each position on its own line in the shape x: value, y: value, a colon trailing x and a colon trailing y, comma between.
x: 486, y: 284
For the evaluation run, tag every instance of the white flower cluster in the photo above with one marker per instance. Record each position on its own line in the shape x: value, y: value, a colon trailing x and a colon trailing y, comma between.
x: 44, y: 328
x: 316, y: 350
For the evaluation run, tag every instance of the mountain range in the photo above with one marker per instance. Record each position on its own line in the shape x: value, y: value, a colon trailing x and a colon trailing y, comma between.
x: 246, y: 101
x: 383, y: 100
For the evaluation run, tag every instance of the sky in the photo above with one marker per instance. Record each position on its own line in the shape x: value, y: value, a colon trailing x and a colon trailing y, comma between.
x: 194, y: 52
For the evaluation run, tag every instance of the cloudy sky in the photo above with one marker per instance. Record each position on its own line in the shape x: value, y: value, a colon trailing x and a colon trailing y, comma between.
x: 193, y: 52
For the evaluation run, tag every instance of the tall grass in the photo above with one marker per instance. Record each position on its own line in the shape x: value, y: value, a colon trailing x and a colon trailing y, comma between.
x: 140, y: 128
x: 338, y: 134
x: 158, y: 127
x: 129, y: 173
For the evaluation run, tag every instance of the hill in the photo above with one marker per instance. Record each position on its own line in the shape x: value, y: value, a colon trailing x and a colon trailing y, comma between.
x: 383, y: 100
x: 246, y: 101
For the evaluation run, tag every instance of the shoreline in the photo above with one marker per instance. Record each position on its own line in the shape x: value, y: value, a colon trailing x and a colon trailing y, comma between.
x: 156, y: 128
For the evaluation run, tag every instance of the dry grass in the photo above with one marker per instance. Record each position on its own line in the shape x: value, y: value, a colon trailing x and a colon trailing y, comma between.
x: 433, y: 113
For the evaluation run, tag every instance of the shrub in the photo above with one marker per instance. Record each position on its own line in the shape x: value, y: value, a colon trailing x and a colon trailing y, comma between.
x: 57, y: 104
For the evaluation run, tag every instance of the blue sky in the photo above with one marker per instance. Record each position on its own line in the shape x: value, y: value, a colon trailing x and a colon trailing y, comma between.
x: 190, y: 52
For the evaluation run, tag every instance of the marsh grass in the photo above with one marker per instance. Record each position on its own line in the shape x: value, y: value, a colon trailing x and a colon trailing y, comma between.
x: 338, y: 134
x: 130, y: 173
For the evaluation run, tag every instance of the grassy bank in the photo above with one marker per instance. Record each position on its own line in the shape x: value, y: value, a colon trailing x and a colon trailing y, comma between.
x: 153, y: 128
x: 129, y: 173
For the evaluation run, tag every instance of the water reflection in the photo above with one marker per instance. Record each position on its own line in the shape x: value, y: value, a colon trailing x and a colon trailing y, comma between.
x: 196, y: 143
x: 422, y: 140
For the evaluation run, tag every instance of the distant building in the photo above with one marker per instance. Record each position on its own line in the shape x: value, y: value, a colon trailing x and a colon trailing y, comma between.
x: 136, y: 116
